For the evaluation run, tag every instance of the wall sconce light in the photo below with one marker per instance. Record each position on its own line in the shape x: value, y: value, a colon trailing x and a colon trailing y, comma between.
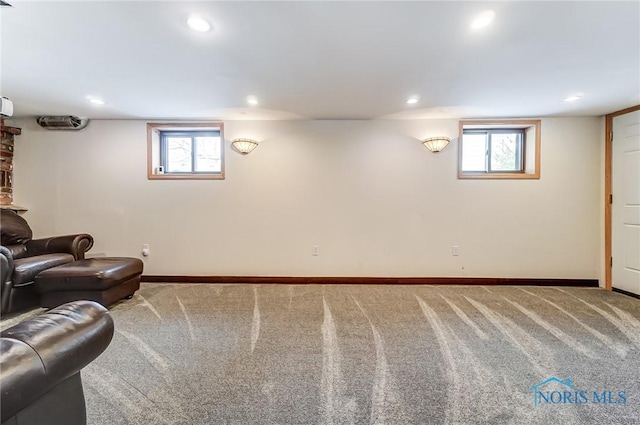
x: 436, y: 144
x: 244, y: 146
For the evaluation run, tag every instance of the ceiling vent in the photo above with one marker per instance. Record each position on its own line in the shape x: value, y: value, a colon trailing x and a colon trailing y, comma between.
x: 62, y: 122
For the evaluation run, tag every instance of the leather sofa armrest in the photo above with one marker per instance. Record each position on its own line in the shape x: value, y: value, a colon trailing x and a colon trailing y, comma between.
x: 22, y: 369
x: 40, y: 353
x: 6, y: 272
x: 6, y: 258
x: 75, y: 245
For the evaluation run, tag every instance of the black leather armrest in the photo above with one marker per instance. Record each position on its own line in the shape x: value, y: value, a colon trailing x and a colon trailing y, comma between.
x: 21, y: 369
x: 76, y: 245
x: 6, y: 268
x: 40, y: 353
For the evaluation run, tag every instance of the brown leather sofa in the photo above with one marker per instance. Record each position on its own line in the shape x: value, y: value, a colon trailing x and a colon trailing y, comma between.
x: 22, y: 258
x: 40, y: 363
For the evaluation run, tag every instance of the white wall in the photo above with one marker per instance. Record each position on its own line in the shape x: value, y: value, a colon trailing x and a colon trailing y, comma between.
x: 367, y: 192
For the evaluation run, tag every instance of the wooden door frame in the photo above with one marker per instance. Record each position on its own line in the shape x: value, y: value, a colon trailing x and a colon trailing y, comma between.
x: 608, y: 189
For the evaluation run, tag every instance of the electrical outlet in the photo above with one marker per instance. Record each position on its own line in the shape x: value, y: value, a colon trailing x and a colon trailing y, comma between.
x: 455, y: 250
x: 145, y: 249
x: 315, y: 250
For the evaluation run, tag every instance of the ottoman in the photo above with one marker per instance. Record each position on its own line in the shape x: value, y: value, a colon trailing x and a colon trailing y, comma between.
x: 104, y: 280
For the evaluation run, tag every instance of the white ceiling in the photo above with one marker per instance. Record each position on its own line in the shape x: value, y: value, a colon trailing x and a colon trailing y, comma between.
x: 319, y: 59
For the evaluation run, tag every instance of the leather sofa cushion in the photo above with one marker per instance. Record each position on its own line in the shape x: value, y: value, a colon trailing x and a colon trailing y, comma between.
x: 13, y: 228
x: 26, y: 269
x: 93, y: 274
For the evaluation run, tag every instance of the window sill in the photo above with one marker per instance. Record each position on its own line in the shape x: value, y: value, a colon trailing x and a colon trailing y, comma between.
x: 185, y: 176
x: 499, y: 176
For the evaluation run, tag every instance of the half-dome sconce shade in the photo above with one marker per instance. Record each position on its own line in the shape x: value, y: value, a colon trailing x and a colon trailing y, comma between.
x: 436, y: 144
x: 244, y: 146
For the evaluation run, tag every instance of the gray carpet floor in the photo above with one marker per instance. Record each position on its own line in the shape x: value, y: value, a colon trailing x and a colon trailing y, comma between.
x: 279, y: 354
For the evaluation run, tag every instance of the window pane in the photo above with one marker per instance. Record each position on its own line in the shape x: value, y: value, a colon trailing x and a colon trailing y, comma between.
x: 178, y: 154
x: 208, y: 154
x: 474, y: 151
x: 505, y: 152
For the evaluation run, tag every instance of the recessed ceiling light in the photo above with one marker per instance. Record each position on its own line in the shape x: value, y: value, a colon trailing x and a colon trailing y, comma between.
x: 572, y: 98
x: 412, y: 100
x: 251, y: 100
x: 199, y: 24
x: 96, y: 100
x: 483, y: 19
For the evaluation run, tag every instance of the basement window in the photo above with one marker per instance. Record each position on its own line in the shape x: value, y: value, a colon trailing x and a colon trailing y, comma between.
x: 505, y: 149
x: 185, y: 151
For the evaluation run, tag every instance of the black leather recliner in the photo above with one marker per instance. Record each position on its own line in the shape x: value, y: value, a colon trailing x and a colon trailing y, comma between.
x: 40, y: 363
x: 22, y: 258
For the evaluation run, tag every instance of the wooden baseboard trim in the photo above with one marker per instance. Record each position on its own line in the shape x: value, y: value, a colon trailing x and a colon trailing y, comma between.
x: 319, y: 280
x: 622, y: 291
